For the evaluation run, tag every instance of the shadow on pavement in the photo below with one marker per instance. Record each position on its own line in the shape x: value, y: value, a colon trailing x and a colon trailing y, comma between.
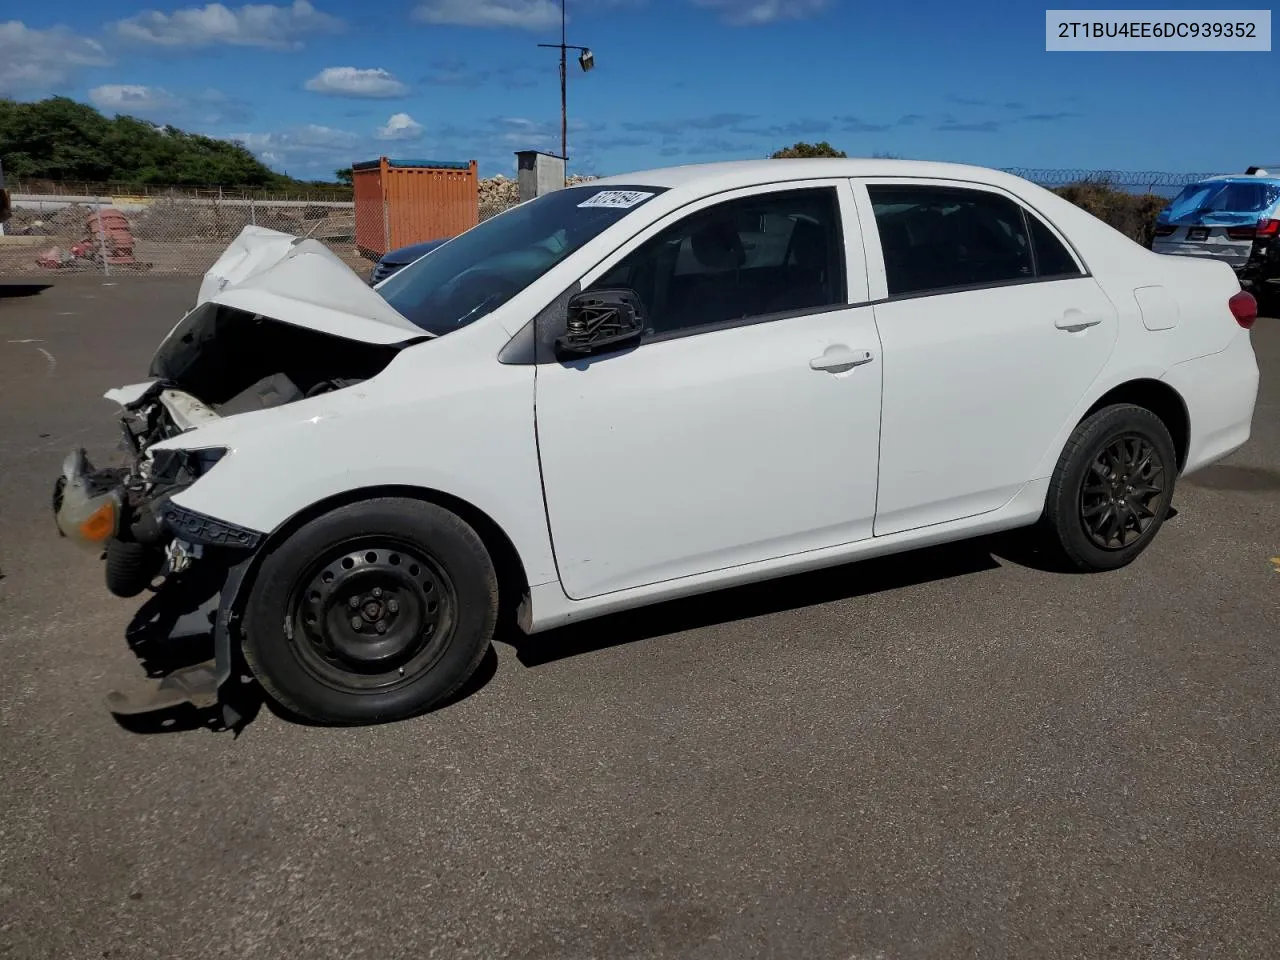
x: 8, y: 290
x: 1239, y: 479
x: 859, y: 579
x: 172, y: 631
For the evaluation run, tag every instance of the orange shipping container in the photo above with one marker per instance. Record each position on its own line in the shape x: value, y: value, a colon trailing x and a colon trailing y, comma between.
x: 402, y: 202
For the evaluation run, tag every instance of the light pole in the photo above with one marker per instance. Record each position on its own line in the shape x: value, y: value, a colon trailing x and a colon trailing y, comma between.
x: 586, y: 60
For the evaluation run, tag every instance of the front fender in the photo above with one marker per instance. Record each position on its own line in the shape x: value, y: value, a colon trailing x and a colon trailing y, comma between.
x: 475, y: 443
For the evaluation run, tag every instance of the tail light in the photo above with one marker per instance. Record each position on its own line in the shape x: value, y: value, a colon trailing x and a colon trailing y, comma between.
x: 1164, y: 229
x: 1244, y: 308
x: 1265, y: 228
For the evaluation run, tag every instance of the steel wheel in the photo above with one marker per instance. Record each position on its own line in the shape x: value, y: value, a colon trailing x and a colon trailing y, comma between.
x: 1123, y: 492
x: 371, y: 615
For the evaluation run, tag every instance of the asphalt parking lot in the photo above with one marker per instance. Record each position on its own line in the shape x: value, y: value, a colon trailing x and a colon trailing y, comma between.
x: 941, y: 755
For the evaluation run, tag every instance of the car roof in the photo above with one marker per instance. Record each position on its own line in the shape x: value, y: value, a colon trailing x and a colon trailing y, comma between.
x: 1240, y: 178
x: 745, y: 173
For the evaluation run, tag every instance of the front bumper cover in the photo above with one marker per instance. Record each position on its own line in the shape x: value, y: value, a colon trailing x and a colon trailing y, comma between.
x: 223, y: 551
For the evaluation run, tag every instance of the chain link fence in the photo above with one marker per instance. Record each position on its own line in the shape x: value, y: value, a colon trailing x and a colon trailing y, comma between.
x: 161, y: 236
x: 169, y: 232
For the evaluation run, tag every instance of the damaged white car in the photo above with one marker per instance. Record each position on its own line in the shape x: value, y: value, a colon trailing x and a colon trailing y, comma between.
x: 646, y: 387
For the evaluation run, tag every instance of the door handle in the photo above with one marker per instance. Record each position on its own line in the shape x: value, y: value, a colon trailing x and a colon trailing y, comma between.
x: 838, y: 359
x: 1073, y: 321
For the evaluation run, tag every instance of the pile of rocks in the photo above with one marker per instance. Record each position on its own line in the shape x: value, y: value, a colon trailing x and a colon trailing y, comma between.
x: 504, y: 191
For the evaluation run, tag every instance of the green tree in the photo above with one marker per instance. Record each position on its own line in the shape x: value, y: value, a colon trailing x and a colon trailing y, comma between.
x: 800, y: 150
x: 60, y: 139
x: 344, y: 176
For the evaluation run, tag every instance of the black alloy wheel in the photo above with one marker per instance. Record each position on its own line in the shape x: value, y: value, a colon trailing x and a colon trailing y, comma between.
x: 1111, y: 489
x: 1122, y: 492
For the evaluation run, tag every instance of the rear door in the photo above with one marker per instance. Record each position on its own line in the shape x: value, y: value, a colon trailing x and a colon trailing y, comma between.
x: 992, y: 331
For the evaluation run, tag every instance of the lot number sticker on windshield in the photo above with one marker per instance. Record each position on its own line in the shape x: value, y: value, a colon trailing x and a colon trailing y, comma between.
x: 618, y: 199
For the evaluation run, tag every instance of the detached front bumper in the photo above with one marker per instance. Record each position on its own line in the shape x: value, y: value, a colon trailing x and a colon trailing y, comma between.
x: 144, y: 536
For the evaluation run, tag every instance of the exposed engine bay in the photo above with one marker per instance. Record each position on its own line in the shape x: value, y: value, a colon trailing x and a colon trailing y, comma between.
x: 278, y: 319
x: 219, y: 361
x: 235, y: 361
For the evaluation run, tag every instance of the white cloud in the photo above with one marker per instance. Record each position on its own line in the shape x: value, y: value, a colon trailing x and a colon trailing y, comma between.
x: 311, y: 147
x: 252, y: 25
x: 133, y: 99
x: 312, y: 138
x: 207, y: 107
x: 355, y: 82
x: 40, y: 60
x: 400, y: 126
x: 523, y: 14
x: 754, y: 12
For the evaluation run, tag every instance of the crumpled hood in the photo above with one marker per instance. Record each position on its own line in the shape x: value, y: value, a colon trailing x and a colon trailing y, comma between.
x: 299, y: 282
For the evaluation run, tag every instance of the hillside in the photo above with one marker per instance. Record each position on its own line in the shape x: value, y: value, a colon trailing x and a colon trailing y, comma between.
x: 60, y: 139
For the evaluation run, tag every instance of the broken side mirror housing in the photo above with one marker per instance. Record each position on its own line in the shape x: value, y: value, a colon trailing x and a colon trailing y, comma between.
x: 600, y: 321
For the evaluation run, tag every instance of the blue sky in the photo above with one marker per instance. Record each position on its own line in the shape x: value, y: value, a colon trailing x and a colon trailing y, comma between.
x: 311, y: 85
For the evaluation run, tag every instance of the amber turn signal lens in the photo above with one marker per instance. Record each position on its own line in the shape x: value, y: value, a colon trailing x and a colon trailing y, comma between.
x: 101, y: 523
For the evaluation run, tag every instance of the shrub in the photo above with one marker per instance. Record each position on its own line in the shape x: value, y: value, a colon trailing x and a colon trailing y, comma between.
x: 802, y: 150
x: 1132, y: 214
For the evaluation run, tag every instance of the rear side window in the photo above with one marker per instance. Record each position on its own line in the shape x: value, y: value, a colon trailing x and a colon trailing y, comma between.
x: 1052, y: 258
x: 937, y: 238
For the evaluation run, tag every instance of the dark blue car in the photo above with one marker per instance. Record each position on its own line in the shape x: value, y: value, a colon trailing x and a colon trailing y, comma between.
x: 393, y: 260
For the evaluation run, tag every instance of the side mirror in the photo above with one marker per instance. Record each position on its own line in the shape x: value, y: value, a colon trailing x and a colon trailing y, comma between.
x: 602, y: 320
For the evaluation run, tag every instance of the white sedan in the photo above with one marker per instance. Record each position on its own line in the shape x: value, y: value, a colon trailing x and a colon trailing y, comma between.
x: 646, y: 387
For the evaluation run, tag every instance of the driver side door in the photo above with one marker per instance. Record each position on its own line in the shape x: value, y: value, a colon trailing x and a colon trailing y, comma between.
x: 744, y: 425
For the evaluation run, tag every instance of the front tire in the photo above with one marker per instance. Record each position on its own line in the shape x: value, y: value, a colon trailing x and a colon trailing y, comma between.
x: 1111, y: 489
x: 376, y: 611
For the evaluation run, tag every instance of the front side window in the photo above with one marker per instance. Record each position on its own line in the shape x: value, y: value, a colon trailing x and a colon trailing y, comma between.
x: 774, y: 253
x: 478, y: 271
x: 935, y: 238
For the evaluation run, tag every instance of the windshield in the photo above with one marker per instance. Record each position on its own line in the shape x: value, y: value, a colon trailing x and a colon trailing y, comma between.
x: 480, y: 270
x: 1224, y: 197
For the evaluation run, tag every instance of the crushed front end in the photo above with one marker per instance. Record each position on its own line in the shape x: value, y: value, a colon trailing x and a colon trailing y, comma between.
x: 278, y: 320
x: 126, y: 511
x: 127, y: 515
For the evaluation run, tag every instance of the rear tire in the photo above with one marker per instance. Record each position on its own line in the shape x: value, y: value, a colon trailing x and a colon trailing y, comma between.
x: 1111, y: 489
x: 377, y: 611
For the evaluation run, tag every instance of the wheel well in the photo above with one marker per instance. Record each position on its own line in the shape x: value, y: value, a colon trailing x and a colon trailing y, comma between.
x: 1162, y: 400
x: 513, y: 582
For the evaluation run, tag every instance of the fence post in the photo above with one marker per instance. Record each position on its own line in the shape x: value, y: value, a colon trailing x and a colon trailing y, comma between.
x: 253, y: 213
x: 386, y: 227
x: 102, y: 240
